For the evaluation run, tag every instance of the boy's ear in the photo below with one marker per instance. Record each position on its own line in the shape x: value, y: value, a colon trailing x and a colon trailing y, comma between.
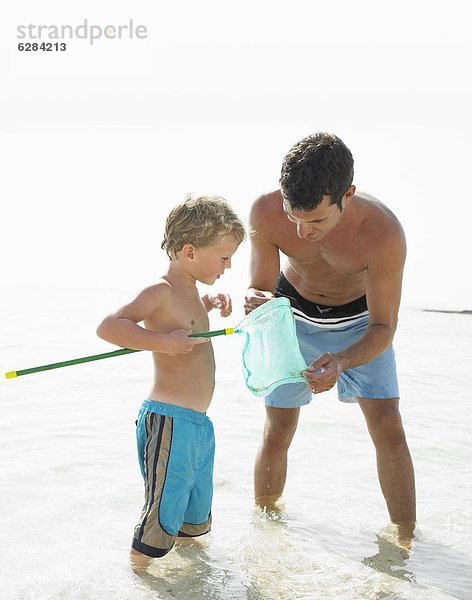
x: 188, y: 251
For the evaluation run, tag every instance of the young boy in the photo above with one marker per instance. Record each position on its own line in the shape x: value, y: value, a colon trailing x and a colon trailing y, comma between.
x: 175, y: 437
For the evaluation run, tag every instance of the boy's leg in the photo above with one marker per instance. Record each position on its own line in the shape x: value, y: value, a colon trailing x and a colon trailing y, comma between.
x: 169, y: 442
x: 151, y: 539
x: 197, y: 518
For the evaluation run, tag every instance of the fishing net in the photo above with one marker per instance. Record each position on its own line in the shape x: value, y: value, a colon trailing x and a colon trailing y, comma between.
x: 271, y: 354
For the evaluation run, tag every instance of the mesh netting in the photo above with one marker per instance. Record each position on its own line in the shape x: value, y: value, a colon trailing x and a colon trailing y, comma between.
x: 271, y: 355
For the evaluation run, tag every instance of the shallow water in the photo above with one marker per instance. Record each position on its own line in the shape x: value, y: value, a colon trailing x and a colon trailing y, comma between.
x: 72, y: 491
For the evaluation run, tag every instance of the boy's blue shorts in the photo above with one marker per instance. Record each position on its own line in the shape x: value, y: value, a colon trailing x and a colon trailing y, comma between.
x: 175, y: 449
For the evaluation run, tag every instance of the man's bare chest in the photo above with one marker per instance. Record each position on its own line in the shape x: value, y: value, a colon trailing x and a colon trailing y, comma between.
x: 342, y: 259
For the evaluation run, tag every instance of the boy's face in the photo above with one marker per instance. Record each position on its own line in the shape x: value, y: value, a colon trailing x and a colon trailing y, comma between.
x: 212, y: 261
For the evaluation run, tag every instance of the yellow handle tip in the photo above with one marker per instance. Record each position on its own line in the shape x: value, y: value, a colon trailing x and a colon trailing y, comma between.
x: 10, y: 374
x: 229, y: 331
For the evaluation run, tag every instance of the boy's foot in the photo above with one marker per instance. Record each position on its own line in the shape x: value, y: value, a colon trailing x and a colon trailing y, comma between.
x: 139, y: 562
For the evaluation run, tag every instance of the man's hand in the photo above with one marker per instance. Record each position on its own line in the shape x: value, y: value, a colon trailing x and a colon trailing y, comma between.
x: 179, y: 342
x: 222, y: 302
x: 255, y: 298
x: 323, y: 373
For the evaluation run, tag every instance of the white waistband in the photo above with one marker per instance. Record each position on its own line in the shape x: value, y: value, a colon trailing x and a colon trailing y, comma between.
x: 335, y: 323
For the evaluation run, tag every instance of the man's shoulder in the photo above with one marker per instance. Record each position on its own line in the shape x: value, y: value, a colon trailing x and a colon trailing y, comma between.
x: 376, y: 216
x: 380, y: 228
x: 267, y: 205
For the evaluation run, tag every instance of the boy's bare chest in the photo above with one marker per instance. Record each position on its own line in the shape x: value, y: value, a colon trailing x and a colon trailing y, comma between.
x: 181, y: 313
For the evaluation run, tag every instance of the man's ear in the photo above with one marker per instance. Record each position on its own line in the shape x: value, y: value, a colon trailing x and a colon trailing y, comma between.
x: 188, y: 251
x: 348, y: 195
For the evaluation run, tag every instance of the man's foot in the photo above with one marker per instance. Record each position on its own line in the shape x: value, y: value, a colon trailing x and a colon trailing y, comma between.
x: 271, y: 507
x: 394, y: 542
x: 405, y: 533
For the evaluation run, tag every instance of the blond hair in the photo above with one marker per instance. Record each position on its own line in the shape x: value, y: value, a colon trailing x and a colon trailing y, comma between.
x: 200, y: 221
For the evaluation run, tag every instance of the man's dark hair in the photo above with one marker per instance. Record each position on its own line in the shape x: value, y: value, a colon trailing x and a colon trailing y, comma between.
x: 318, y: 165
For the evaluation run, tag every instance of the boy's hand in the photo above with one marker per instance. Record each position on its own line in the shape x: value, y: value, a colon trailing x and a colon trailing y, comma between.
x: 179, y: 342
x: 255, y: 298
x: 222, y: 302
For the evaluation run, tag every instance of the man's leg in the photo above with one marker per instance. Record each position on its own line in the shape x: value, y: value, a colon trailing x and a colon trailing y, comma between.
x: 394, y: 465
x: 270, y: 469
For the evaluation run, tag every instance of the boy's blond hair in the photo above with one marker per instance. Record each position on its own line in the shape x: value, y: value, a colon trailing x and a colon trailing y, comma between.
x: 200, y: 221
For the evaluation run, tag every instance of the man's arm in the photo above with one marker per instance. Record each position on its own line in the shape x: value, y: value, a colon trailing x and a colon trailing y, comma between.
x: 383, y: 290
x: 264, y: 266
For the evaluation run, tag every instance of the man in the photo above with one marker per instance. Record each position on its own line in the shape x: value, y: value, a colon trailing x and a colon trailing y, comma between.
x: 345, y: 253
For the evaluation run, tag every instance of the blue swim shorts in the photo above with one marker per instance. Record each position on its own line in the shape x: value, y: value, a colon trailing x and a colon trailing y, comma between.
x: 322, y: 329
x: 176, y: 448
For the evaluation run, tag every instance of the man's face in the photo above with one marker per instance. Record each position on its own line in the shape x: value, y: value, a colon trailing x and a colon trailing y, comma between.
x: 313, y: 225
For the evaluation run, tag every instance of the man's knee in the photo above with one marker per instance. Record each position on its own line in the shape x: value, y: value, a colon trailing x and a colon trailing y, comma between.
x: 385, y: 424
x: 390, y: 432
x: 280, y: 427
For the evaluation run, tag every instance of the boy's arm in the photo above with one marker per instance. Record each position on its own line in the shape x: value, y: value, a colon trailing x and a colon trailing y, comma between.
x: 122, y: 329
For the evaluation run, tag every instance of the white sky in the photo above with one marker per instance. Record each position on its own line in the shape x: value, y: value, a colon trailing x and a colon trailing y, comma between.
x: 98, y: 143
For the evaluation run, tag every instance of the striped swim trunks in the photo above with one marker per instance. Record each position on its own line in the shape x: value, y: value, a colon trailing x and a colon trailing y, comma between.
x: 322, y: 329
x: 175, y: 449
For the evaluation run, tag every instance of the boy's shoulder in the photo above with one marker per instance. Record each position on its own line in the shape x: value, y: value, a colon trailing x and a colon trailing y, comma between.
x: 153, y: 297
x: 161, y: 288
x: 155, y: 294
